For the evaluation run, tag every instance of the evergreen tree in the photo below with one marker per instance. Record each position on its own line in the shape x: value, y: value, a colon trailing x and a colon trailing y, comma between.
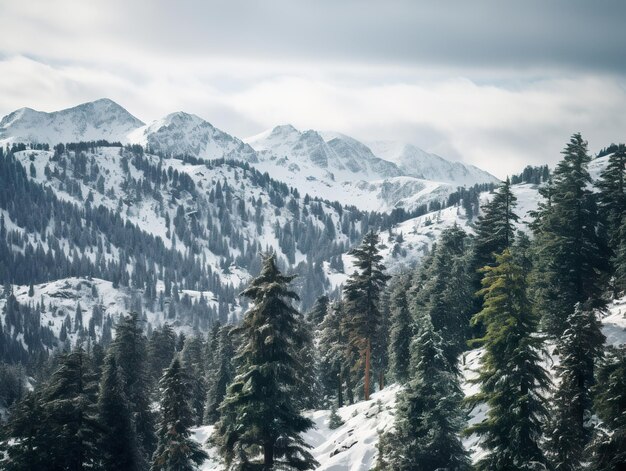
x: 579, y: 348
x: 569, y: 247
x: 29, y: 429
x: 260, y: 425
x: 161, y: 348
x: 428, y: 417
x: 361, y: 297
x: 609, y: 446
x: 129, y: 350
x: 318, y: 311
x: 68, y: 404
x: 495, y: 228
x: 446, y: 294
x: 193, y: 356
x: 331, y: 344
x: 220, y: 375
x: 512, y: 380
x: 118, y: 444
x: 401, y: 332
x: 612, y: 206
x: 612, y: 197
x: 175, y: 449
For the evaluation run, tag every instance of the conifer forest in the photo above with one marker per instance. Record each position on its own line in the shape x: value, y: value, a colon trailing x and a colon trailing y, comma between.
x: 323, y: 295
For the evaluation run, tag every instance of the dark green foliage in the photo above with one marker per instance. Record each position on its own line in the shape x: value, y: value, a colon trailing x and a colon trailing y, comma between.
x: 512, y: 380
x: 220, y: 375
x: 318, y: 311
x: 56, y: 428
x: 334, y: 368
x: 27, y: 426
x: 495, y: 228
x: 117, y: 447
x: 161, y: 348
x: 175, y: 449
x: 402, y: 328
x: 429, y: 416
x: 361, y: 295
x: 609, y: 446
x: 571, y: 252
x: 443, y: 291
x: 334, y: 419
x: 260, y: 426
x: 129, y: 350
x: 612, y: 205
x: 193, y: 356
x: 579, y: 348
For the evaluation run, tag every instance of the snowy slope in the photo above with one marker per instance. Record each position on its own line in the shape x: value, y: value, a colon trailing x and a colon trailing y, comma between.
x: 352, y: 446
x: 101, y: 119
x: 418, y: 163
x: 328, y: 165
x: 335, y: 166
x: 187, y: 134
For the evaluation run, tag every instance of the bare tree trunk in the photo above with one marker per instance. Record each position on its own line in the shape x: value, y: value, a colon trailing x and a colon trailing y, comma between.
x: 381, y: 380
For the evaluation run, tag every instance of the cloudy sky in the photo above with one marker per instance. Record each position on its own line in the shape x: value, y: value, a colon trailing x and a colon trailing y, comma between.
x: 496, y: 84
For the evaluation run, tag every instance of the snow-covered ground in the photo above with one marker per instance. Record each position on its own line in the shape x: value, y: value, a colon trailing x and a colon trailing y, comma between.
x: 352, y: 446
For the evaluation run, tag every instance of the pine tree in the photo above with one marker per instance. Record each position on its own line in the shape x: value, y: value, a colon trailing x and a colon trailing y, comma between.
x: 175, y: 449
x: 402, y: 329
x: 118, y: 444
x: 512, y: 380
x: 318, y: 311
x: 220, y: 375
x: 69, y: 401
x: 609, y: 446
x: 612, y: 196
x: 129, y: 349
x: 260, y: 426
x: 571, y: 254
x: 579, y: 348
x: 361, y: 298
x: 193, y: 356
x: 495, y: 228
x: 29, y: 429
x: 161, y: 348
x: 331, y: 344
x: 446, y: 294
x: 429, y: 416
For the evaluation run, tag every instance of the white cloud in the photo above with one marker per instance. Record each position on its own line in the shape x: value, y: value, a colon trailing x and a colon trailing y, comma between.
x: 499, y: 128
x: 454, y: 81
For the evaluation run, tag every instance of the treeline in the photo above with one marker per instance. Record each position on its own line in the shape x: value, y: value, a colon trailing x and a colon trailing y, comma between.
x: 501, y: 290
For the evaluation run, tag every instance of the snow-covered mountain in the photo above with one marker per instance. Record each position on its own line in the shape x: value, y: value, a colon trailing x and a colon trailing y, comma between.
x: 100, y: 119
x: 330, y: 163
x: 182, y: 133
x: 327, y: 165
x: 342, y: 157
x: 416, y: 162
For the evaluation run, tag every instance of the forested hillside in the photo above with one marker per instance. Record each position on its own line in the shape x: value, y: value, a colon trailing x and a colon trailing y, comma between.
x: 151, y: 302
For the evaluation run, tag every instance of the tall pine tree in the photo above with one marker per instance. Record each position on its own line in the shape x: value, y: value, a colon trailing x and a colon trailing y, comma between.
x: 260, y: 425
x: 579, y: 348
x: 569, y: 247
x: 175, y: 448
x: 512, y: 380
x: 361, y: 300
x: 609, y: 446
x: 118, y: 443
x: 129, y: 349
x: 429, y: 416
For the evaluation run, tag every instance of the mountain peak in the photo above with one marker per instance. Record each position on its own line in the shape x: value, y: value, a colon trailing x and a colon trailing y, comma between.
x: 94, y: 120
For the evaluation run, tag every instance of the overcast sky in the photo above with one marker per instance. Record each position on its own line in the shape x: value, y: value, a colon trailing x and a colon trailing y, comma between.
x: 495, y: 84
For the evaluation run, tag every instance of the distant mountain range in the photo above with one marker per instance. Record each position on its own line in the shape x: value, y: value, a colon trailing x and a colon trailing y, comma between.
x: 375, y: 176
